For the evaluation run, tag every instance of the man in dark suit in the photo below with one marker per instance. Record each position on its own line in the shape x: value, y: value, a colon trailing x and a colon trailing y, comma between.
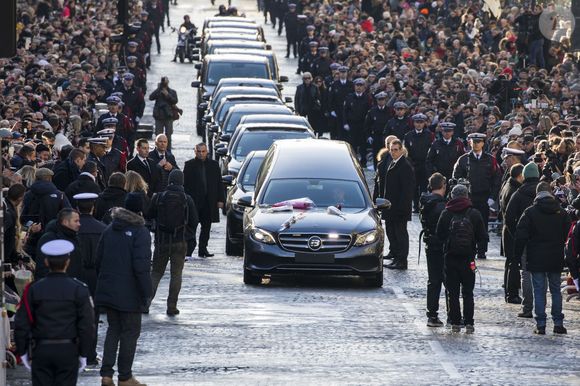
x: 399, y: 187
x: 203, y: 182
x: 163, y: 157
x: 146, y: 167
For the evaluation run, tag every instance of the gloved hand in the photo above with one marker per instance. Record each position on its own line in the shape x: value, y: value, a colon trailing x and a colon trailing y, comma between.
x: 577, y: 284
x: 333, y: 114
x: 82, y: 364
x: 25, y: 362
x: 490, y: 202
x: 370, y: 140
x: 346, y: 127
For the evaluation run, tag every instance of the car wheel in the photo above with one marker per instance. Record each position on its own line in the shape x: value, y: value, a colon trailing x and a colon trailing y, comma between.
x: 251, y: 279
x: 376, y: 281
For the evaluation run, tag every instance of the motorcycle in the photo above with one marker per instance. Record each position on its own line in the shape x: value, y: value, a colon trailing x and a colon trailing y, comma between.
x: 185, y: 44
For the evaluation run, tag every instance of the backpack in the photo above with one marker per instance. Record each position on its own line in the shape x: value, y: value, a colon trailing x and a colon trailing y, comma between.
x: 42, y: 205
x: 172, y: 212
x: 461, y: 240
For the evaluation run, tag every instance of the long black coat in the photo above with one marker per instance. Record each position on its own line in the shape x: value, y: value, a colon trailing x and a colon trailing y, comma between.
x: 215, y: 188
x: 151, y: 175
x: 507, y: 191
x: 110, y: 198
x: 55, y: 231
x: 156, y: 158
x: 65, y: 173
x: 83, y: 184
x: 124, y: 264
x: 399, y: 185
x: 89, y: 235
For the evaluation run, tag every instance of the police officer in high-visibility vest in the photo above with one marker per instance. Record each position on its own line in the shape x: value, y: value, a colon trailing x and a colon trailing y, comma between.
x: 55, y: 322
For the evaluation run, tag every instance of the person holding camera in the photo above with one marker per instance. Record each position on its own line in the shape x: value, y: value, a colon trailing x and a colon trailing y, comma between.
x: 164, y: 109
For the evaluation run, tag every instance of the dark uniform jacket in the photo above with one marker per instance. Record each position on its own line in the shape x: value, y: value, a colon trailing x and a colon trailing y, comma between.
x: 212, y: 193
x: 307, y: 99
x: 124, y: 264
x: 89, y: 235
x: 291, y: 24
x: 418, y: 144
x: 337, y: 94
x: 355, y: 111
x: 543, y: 229
x: 398, y: 127
x: 375, y: 122
x: 61, y: 308
x: 83, y: 184
x: 65, y: 173
x: 321, y: 67
x: 484, y: 175
x: 441, y: 156
x: 124, y: 126
x: 102, y: 178
x: 431, y: 207
x: 134, y: 101
x: 399, y: 184
x: 110, y: 198
x: 55, y: 231
x: 114, y: 161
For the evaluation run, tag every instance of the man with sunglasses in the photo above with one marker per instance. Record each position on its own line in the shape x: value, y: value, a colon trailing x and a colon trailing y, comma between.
x: 484, y: 175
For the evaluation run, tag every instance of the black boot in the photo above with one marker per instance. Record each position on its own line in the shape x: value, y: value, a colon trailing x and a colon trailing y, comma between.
x: 397, y: 264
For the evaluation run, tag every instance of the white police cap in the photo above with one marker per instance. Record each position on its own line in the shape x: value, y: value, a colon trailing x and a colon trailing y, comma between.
x: 85, y: 196
x: 57, y: 248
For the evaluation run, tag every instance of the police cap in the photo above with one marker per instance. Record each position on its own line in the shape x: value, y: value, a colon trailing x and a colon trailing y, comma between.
x: 334, y: 66
x: 85, y: 196
x: 343, y: 69
x: 477, y: 136
x: 114, y: 100
x: 313, y: 44
x: 359, y: 81
x: 98, y: 141
x: 381, y: 95
x: 108, y: 133
x: 310, y: 27
x: 447, y: 126
x: 128, y: 76
x: 419, y: 117
x: 57, y: 248
x: 111, y: 121
x: 400, y: 105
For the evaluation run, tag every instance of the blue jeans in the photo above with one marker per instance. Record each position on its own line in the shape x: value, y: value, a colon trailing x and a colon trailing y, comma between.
x: 537, y: 53
x: 539, y: 283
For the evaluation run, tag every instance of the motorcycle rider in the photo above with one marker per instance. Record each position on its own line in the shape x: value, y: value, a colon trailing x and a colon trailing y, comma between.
x: 189, y: 26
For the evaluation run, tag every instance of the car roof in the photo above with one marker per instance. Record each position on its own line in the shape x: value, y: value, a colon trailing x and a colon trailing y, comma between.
x: 252, y: 107
x: 229, y: 18
x: 245, y: 51
x: 234, y: 97
x: 231, y: 31
x: 275, y: 126
x: 236, y: 58
x: 236, y: 43
x: 246, y: 81
x: 257, y: 154
x: 248, y: 90
x: 333, y: 160
x: 272, y: 118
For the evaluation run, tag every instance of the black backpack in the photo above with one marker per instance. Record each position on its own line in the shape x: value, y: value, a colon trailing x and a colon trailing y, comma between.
x: 172, y: 212
x: 461, y: 240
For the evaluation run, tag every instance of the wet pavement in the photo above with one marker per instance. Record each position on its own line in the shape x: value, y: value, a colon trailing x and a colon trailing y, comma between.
x: 325, y: 330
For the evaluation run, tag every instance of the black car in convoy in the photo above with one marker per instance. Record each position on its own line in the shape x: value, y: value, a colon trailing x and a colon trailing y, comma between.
x: 338, y: 231
x: 240, y: 186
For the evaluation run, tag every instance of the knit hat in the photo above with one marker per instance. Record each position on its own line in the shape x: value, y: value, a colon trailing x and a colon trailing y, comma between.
x: 134, y: 202
x: 459, y: 191
x: 531, y: 171
x: 175, y: 177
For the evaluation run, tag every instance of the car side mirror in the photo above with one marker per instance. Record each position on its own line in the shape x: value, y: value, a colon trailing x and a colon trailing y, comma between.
x: 268, y: 47
x: 195, y: 57
x: 245, y: 201
x: 205, y: 97
x: 382, y: 203
x: 221, y: 152
x: 196, y: 83
x: 288, y: 99
x: 195, y: 51
x: 225, y: 137
x: 197, y: 66
x: 283, y: 78
x: 202, y: 106
x: 213, y: 128
x: 197, y: 38
x: 228, y: 180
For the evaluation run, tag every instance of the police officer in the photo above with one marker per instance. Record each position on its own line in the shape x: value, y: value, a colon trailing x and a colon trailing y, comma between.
x: 431, y: 206
x: 418, y: 142
x: 98, y: 146
x: 304, y: 47
x: 333, y: 76
x: 444, y: 152
x: 114, y: 160
x: 356, y: 107
x: 56, y: 318
x: 291, y: 23
x: 132, y: 50
x: 484, y: 176
x: 308, y: 60
x: 321, y: 65
x: 279, y: 8
x: 337, y: 95
x: 124, y: 128
x: 134, y: 101
x: 140, y: 80
x: 375, y: 122
x: 399, y: 124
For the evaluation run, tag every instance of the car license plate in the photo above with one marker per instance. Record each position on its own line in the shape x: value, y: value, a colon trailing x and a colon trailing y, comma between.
x: 314, y: 258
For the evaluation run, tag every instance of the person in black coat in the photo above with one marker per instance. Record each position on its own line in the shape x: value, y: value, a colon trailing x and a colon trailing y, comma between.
x: 203, y: 183
x: 291, y: 24
x: 542, y: 231
x: 113, y: 196
x: 68, y: 171
x: 13, y: 200
x: 398, y: 185
x: 400, y: 124
x: 85, y: 183
x: 356, y: 107
x: 89, y: 235
x: 123, y: 286
x: 307, y: 101
x: 163, y: 157
x: 518, y: 203
x: 417, y: 142
x: 64, y: 227
x: 164, y: 98
x: 146, y: 167
x: 337, y: 93
x: 444, y: 152
x: 375, y: 122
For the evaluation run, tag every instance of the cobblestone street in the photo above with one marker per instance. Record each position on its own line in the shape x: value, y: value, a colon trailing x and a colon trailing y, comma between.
x: 325, y: 330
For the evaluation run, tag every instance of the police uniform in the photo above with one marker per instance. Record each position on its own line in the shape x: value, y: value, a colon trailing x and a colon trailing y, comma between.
x: 140, y: 80
x: 98, y: 141
x: 355, y: 110
x: 124, y: 128
x: 443, y: 154
x: 54, y: 325
x: 291, y: 23
x: 398, y: 126
x: 418, y: 144
x: 321, y: 64
x: 375, y: 123
x: 337, y: 95
x: 114, y: 160
x: 484, y: 176
x: 304, y: 48
x: 133, y: 100
x: 307, y: 61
